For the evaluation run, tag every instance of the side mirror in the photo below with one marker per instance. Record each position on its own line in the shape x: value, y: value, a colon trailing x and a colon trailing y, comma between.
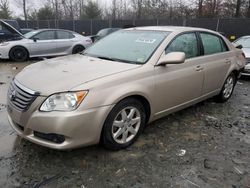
x: 35, y: 39
x: 239, y: 46
x: 172, y: 58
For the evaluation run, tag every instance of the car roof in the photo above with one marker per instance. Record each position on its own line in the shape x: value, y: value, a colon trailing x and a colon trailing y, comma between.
x: 39, y: 30
x: 172, y: 29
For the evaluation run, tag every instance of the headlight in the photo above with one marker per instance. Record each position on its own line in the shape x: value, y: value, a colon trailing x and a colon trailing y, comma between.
x: 4, y: 44
x: 63, y: 101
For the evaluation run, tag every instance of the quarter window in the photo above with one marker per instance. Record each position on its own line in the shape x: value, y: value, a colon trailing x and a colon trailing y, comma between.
x: 212, y: 44
x: 186, y: 43
x: 45, y: 35
x: 64, y: 35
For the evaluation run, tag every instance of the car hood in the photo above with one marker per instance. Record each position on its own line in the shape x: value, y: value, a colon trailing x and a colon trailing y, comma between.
x: 65, y: 73
x: 10, y: 28
x: 246, y: 52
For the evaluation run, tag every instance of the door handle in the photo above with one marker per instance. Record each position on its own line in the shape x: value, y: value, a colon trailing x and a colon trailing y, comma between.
x: 228, y: 61
x: 199, y: 68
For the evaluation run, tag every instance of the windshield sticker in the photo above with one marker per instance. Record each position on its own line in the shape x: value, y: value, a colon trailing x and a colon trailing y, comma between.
x: 144, y: 40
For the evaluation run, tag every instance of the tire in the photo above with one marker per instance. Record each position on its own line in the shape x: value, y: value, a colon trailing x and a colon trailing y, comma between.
x: 18, y: 54
x: 77, y: 49
x: 123, y: 125
x: 227, y: 89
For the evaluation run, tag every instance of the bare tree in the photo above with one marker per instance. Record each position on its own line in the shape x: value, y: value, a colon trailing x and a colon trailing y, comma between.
x: 238, y: 7
x: 137, y: 6
x: 248, y: 9
x: 23, y: 4
x: 24, y: 10
x: 200, y: 7
x: 5, y: 12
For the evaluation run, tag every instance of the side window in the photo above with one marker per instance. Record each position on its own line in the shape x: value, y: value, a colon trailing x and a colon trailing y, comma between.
x: 212, y: 44
x: 224, y: 46
x: 186, y: 43
x: 64, y: 35
x: 45, y: 35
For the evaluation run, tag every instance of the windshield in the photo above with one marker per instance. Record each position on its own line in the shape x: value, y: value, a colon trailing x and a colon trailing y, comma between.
x: 30, y: 34
x: 245, y: 42
x: 103, y: 32
x: 131, y: 46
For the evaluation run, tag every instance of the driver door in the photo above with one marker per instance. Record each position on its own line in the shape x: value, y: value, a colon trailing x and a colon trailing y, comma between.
x: 43, y: 44
x: 178, y: 84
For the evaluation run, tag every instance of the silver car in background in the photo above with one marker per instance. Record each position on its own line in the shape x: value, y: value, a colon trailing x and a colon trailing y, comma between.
x: 44, y: 43
x: 245, y: 43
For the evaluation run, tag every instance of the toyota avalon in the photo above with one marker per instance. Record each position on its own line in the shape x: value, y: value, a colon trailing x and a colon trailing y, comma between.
x: 111, y: 91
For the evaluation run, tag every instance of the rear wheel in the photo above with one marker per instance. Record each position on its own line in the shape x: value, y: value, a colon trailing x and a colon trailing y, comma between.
x: 227, y: 89
x: 124, y: 124
x: 19, y: 54
x: 78, y: 49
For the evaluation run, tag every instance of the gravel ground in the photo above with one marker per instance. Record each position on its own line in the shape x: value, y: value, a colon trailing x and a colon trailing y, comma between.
x: 206, y: 145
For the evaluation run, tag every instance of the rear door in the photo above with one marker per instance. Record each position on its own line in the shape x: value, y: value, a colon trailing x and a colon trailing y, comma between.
x: 64, y: 41
x: 216, y: 62
x: 43, y: 44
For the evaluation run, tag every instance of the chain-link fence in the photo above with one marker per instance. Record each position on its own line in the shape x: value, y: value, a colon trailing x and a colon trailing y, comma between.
x: 236, y: 27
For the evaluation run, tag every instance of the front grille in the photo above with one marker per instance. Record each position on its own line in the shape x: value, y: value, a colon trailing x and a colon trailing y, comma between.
x: 20, y: 97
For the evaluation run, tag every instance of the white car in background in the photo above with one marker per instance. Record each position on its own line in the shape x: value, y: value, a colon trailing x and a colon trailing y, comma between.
x: 245, y: 43
x: 44, y: 43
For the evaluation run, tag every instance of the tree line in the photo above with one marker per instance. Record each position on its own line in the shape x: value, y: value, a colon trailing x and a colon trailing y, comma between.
x: 127, y: 9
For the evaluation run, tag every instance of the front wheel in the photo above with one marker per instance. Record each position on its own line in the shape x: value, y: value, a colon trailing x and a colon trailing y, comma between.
x: 227, y: 89
x: 19, y: 54
x: 124, y: 124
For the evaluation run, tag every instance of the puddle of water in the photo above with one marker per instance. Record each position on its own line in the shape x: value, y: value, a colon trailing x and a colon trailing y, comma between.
x: 7, y: 137
x: 7, y: 144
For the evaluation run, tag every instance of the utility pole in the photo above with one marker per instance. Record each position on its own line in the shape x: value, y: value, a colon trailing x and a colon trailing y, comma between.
x: 238, y: 6
x: 24, y: 11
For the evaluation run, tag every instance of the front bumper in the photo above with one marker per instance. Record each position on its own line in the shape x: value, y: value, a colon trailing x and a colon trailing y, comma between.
x: 246, y: 70
x: 79, y: 128
x: 4, y: 52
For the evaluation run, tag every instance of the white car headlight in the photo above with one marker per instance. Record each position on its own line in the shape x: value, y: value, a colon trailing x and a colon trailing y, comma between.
x: 4, y: 44
x: 68, y: 101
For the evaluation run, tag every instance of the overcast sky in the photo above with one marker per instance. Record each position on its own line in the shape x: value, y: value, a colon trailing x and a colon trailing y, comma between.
x: 16, y: 7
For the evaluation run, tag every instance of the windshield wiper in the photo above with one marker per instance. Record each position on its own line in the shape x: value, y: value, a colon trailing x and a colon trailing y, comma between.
x: 106, y: 58
x: 110, y: 58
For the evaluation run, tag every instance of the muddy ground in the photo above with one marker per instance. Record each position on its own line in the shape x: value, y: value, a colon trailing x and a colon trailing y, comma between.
x: 207, y: 145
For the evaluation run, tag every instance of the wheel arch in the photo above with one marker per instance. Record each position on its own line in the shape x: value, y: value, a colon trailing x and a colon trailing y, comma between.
x: 20, y: 46
x: 143, y: 100
x: 77, y: 45
x: 236, y: 73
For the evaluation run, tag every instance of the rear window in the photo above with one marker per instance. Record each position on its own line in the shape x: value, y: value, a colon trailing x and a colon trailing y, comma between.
x: 64, y: 35
x: 212, y: 44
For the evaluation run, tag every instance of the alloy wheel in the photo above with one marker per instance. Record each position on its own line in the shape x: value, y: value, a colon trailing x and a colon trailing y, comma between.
x: 126, y: 125
x: 228, y: 88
